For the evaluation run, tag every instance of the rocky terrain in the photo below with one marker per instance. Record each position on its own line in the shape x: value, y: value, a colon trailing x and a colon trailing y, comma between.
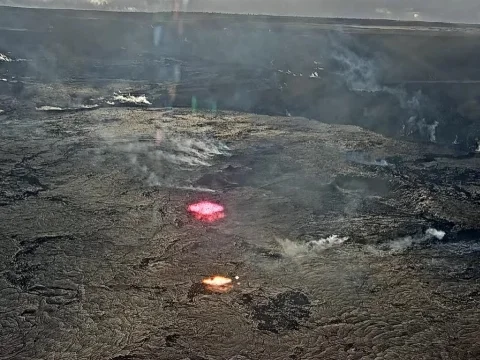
x: 351, y: 193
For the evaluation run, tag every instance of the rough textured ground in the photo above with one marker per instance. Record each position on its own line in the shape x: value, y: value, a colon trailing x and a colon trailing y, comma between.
x: 334, y: 231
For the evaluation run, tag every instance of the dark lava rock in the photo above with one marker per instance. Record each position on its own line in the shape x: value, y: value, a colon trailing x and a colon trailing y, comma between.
x: 282, y: 312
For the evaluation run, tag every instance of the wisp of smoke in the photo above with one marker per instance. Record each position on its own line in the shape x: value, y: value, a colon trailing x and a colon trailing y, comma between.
x: 99, y: 2
x: 415, y: 126
x: 292, y: 248
x: 198, y: 148
x: 57, y: 108
x: 431, y: 129
x: 365, y: 159
x: 418, y: 108
x: 361, y: 75
x: 401, y: 245
x: 159, y: 162
x: 157, y: 34
x: 358, y: 73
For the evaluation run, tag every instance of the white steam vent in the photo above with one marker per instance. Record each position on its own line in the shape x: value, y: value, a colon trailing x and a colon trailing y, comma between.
x: 431, y: 129
x: 439, y: 234
x: 99, y: 2
x: 414, y: 125
x: 131, y: 99
x: 292, y: 248
x: 403, y: 244
x: 5, y: 58
x: 49, y: 108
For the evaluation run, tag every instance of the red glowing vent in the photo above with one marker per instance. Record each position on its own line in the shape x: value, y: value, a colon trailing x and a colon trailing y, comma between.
x: 207, y: 211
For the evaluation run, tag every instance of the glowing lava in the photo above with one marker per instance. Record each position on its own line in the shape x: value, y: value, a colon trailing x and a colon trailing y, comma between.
x: 207, y: 211
x: 218, y: 284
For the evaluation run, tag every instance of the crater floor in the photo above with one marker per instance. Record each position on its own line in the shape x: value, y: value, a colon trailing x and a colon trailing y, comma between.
x: 100, y: 259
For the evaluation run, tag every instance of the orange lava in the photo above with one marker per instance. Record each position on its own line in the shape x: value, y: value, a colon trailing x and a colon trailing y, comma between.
x: 207, y: 211
x: 218, y: 284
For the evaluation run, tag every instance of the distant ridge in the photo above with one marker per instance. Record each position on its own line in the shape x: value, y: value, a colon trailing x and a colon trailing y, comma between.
x: 462, y: 11
x: 105, y: 13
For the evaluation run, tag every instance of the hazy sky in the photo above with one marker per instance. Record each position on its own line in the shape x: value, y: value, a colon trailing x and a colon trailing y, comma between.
x: 428, y: 10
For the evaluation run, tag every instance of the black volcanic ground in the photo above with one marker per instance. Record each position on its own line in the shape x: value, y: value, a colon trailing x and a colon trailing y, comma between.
x: 344, y: 153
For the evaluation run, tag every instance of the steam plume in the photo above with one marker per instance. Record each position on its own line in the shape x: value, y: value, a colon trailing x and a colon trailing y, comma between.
x: 403, y: 244
x: 292, y: 248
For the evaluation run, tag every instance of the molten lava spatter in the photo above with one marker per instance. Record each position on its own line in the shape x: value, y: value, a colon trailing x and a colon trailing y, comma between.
x: 207, y: 211
x: 218, y: 284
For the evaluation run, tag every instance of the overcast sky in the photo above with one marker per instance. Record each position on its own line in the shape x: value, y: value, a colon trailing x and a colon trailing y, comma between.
x: 427, y: 10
